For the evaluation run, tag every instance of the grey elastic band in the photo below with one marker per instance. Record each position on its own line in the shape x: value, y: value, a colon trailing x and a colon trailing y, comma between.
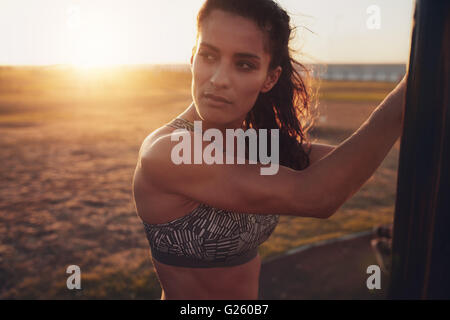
x: 181, y: 261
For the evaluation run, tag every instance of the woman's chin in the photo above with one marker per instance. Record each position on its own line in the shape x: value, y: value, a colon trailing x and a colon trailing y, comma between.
x: 212, y: 115
x: 219, y: 117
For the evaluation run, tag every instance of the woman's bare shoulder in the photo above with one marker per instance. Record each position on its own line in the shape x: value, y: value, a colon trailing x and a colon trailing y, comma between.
x: 149, y: 140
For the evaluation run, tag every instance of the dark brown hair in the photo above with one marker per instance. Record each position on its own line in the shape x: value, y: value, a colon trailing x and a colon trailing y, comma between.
x: 289, y: 101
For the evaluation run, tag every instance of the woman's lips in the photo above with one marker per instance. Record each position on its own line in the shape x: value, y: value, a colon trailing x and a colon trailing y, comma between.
x: 215, y: 98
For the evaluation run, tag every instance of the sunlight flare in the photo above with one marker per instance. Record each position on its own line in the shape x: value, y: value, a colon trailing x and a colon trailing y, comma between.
x: 95, y: 40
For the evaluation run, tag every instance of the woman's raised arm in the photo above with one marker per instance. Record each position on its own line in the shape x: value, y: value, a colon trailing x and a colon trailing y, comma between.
x: 318, y: 191
x: 355, y: 160
x: 236, y: 187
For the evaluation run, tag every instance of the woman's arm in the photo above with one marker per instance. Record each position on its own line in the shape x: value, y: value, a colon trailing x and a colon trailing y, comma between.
x: 237, y: 187
x: 318, y: 191
x: 355, y: 160
x: 319, y: 151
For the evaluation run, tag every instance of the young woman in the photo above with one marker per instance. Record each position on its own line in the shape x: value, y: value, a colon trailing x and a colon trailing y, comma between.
x: 205, y: 222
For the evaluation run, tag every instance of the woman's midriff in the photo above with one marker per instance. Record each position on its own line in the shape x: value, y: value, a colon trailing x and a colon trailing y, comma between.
x: 226, y: 283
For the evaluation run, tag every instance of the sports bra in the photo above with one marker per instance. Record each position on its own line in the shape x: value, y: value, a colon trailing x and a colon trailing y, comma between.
x: 209, y: 237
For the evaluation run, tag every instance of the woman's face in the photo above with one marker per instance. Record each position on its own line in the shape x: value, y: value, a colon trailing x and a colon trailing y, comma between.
x: 230, y: 64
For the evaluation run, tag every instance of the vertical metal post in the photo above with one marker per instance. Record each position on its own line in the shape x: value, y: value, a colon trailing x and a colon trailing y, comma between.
x: 421, y: 243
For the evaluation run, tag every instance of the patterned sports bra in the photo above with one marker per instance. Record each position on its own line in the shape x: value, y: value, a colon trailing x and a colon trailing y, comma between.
x: 208, y: 237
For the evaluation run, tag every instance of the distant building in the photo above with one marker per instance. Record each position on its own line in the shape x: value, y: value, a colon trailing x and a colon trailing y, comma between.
x: 360, y: 72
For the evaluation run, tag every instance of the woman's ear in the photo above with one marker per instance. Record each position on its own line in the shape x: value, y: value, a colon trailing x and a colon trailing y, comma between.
x: 272, y: 79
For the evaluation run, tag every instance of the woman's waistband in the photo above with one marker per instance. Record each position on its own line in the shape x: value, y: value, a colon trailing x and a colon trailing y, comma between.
x: 189, y: 262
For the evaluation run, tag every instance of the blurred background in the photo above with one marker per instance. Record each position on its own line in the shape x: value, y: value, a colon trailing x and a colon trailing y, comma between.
x: 82, y: 83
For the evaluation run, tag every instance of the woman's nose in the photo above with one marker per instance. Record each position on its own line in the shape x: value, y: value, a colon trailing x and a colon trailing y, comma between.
x: 220, y: 77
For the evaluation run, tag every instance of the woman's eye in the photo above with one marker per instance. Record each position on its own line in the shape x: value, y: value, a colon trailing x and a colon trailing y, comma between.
x: 207, y: 56
x: 246, y: 65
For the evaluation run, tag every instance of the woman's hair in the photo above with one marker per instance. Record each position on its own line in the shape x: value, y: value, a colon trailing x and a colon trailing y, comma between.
x: 289, y: 100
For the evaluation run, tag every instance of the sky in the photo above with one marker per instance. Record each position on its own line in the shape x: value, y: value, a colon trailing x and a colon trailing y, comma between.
x: 111, y: 32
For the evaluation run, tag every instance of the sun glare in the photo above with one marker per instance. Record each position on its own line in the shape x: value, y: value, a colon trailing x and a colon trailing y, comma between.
x: 95, y: 40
